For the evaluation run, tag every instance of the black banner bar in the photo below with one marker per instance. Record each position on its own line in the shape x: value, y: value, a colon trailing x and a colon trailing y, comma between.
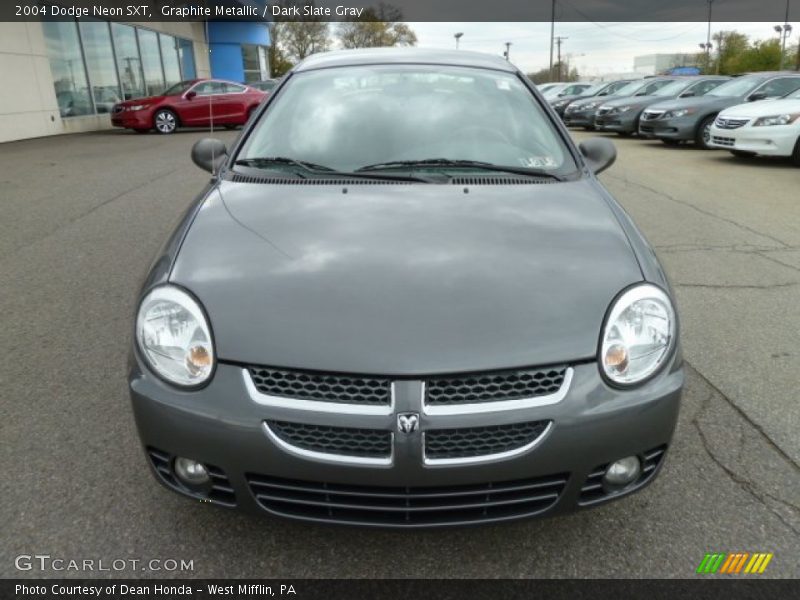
x: 729, y: 588
x: 598, y: 11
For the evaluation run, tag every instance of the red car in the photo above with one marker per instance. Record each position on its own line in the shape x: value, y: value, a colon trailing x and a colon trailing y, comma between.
x: 195, y: 103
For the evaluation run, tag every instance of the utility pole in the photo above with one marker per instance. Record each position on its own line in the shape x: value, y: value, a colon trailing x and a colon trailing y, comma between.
x: 552, y: 32
x: 559, y: 40
x: 708, y: 38
x: 508, y: 51
x: 784, y: 32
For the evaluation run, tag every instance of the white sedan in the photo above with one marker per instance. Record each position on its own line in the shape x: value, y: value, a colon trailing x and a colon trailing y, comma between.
x: 767, y: 128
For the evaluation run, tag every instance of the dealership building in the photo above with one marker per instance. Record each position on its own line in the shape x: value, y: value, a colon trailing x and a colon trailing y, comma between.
x: 65, y: 76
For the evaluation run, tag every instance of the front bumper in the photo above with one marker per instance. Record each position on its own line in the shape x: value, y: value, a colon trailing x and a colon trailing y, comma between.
x: 223, y: 426
x: 579, y: 118
x: 136, y: 119
x: 777, y: 140
x: 682, y: 128
x: 626, y: 122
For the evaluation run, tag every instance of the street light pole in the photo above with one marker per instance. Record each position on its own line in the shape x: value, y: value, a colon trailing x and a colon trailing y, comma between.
x: 559, y: 40
x: 552, y: 32
x: 458, y: 38
x: 508, y: 51
x: 784, y: 33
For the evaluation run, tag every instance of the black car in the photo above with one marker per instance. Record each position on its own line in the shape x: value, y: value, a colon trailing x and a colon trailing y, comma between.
x: 404, y: 299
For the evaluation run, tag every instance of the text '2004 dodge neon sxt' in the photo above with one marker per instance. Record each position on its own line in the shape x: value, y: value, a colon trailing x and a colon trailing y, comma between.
x: 405, y: 300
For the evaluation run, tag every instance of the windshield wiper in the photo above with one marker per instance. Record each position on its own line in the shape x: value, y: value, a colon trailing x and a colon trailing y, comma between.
x: 448, y: 162
x: 309, y: 167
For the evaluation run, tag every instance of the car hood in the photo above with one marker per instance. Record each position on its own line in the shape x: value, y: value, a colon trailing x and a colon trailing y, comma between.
x: 698, y: 102
x: 138, y: 101
x: 763, y: 108
x: 599, y: 99
x: 637, y: 101
x: 406, y: 279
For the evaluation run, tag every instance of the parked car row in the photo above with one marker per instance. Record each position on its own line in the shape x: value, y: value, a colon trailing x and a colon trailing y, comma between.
x: 754, y: 114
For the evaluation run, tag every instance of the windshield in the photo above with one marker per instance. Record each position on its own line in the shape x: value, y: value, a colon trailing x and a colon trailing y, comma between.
x: 673, y: 89
x: 631, y: 88
x: 794, y: 95
x: 178, y: 88
x: 347, y: 118
x: 597, y: 87
x: 554, y: 91
x: 737, y: 87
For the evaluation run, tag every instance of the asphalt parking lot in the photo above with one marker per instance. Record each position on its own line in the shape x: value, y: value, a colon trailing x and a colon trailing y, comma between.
x: 83, y: 215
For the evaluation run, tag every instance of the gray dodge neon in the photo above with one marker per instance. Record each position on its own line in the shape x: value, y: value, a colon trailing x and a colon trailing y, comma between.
x: 405, y: 300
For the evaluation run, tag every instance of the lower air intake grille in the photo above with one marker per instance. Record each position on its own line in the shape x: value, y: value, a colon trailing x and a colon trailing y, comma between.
x: 481, y: 441
x: 593, y: 492
x: 324, y: 387
x: 406, y: 506
x: 375, y: 443
x: 494, y: 387
x: 220, y: 491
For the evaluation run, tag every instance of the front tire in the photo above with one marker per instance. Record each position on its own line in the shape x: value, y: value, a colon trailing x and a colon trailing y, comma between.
x: 165, y: 121
x: 703, y: 136
x: 669, y: 142
x: 796, y: 154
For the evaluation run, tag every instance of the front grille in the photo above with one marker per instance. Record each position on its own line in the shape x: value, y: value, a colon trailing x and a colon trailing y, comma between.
x: 723, y: 141
x: 602, y: 111
x: 347, y: 389
x: 481, y: 441
x: 593, y: 491
x: 219, y: 492
x: 495, y: 386
x: 650, y: 115
x: 724, y: 123
x: 346, y: 441
x: 117, y: 109
x: 407, y: 506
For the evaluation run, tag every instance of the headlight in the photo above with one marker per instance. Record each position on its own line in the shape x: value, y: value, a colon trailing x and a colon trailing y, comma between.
x: 174, y: 336
x: 622, y: 109
x: 776, y: 120
x: 137, y: 107
x: 673, y: 114
x: 638, y: 334
x: 591, y: 105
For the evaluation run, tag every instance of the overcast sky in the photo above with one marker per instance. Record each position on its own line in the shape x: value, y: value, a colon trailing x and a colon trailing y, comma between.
x: 596, y: 48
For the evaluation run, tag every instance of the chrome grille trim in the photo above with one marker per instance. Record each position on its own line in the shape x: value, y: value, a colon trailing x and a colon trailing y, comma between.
x: 650, y: 115
x: 484, y: 458
x: 726, y: 123
x: 339, y: 408
x: 343, y: 459
x: 500, y: 405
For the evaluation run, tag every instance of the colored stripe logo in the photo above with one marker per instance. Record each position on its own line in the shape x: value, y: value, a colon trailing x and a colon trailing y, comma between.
x: 734, y: 564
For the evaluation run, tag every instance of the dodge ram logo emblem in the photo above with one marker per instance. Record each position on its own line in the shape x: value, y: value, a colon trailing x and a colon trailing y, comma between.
x: 407, y: 422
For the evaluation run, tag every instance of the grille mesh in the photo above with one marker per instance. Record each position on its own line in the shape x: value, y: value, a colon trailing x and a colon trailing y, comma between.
x: 407, y: 506
x: 322, y: 387
x: 480, y: 441
x: 348, y: 441
x: 494, y: 387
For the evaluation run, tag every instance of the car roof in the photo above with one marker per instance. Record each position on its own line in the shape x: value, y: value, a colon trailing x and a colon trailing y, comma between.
x: 418, y: 56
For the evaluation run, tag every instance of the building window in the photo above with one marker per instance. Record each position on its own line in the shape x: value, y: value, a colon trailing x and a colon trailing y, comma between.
x: 256, y: 64
x: 186, y: 57
x: 151, y: 62
x: 169, y: 58
x: 129, y: 65
x: 96, y: 64
x: 96, y: 39
x: 67, y: 66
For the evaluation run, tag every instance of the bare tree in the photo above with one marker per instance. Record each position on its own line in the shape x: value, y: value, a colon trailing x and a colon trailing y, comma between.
x: 293, y: 40
x: 377, y: 27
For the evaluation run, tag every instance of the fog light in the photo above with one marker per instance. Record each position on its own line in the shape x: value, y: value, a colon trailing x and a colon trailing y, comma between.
x: 190, y: 471
x: 622, y: 472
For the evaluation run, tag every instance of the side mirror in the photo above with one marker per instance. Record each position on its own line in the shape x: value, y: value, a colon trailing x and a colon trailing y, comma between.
x: 209, y: 154
x: 688, y: 94
x: 599, y: 153
x: 757, y: 96
x: 190, y: 94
